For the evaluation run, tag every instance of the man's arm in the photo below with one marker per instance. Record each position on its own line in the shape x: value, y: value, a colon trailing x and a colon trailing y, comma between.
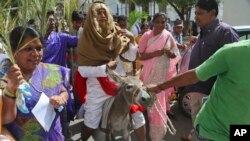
x: 96, y: 71
x: 206, y: 70
x: 184, y: 79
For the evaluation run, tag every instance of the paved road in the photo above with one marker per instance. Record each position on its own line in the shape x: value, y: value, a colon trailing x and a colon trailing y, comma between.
x: 181, y: 123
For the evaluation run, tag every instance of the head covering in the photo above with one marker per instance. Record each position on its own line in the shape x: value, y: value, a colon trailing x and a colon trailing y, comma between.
x: 93, y: 48
x: 178, y: 22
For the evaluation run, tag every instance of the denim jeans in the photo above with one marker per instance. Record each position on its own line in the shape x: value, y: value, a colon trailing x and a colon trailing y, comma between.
x: 198, y: 136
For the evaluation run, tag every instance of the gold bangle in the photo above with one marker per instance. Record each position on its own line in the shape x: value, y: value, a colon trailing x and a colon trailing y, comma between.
x: 8, y: 94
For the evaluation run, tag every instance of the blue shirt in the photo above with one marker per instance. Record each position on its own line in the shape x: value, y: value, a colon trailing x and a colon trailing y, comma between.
x: 56, y: 45
x: 211, y: 38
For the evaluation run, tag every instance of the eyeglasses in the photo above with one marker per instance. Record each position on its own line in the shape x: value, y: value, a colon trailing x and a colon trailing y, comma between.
x: 31, y: 49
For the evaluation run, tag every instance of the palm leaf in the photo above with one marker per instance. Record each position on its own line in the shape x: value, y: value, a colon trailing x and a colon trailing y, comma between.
x: 134, y: 16
x: 6, y: 24
x: 37, y: 9
x: 69, y: 7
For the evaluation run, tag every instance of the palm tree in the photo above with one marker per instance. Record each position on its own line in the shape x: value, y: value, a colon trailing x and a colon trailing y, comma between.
x: 135, y: 16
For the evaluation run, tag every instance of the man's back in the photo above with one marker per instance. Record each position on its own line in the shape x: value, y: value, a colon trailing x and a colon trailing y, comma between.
x: 229, y: 100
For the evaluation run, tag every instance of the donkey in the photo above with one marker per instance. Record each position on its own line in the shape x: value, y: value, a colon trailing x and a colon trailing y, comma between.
x: 117, y: 118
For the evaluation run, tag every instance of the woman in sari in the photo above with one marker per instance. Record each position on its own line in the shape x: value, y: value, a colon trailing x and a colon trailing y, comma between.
x: 159, y: 55
x: 47, y: 82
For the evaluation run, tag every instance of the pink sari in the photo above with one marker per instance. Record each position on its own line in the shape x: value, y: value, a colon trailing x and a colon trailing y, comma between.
x: 157, y: 70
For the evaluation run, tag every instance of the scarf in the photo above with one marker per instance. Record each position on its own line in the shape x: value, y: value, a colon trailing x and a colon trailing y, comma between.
x: 94, y: 49
x: 108, y: 87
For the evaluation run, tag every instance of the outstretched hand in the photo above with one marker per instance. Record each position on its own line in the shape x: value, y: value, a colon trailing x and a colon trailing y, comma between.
x: 153, y: 88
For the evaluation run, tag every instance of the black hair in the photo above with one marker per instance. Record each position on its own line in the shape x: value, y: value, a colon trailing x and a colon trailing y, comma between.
x: 122, y: 18
x: 160, y: 15
x: 115, y: 16
x: 31, y: 21
x: 76, y: 16
x: 50, y: 12
x: 144, y: 24
x: 208, y: 5
x: 20, y: 33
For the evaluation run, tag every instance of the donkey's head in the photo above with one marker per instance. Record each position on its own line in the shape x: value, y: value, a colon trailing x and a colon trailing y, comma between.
x: 132, y: 90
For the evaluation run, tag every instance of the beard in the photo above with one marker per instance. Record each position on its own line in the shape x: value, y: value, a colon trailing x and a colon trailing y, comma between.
x: 104, y: 28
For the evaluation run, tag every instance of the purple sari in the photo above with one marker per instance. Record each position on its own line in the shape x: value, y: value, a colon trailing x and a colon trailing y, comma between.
x: 48, y: 79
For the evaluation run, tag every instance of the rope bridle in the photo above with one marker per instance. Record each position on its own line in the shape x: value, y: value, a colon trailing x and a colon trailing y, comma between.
x: 135, y: 94
x: 167, y: 121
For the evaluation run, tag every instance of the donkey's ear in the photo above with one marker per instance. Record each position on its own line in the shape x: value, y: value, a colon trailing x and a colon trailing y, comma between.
x: 115, y: 76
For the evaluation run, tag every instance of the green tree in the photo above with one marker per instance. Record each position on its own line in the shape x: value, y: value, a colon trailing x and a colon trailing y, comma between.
x: 143, y: 3
x: 183, y: 9
x: 134, y: 17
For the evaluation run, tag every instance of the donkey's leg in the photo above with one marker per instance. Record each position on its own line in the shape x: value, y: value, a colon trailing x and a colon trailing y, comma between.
x: 126, y: 135
x: 86, y: 133
x: 99, y: 135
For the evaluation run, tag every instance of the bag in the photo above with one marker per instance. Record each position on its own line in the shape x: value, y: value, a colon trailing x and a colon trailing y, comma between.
x: 5, y: 135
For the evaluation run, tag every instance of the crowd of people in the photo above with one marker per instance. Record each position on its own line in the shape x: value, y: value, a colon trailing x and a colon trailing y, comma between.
x: 76, y: 61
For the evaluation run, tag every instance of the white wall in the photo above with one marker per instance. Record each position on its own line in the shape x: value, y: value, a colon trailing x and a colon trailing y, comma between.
x: 236, y: 12
x: 112, y: 5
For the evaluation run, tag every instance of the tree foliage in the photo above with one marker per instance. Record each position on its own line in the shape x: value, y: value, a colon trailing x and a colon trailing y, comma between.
x: 183, y: 9
x: 69, y: 7
x: 135, y: 16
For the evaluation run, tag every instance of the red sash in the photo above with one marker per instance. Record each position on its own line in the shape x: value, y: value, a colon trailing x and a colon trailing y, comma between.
x: 108, y: 87
x: 81, y: 86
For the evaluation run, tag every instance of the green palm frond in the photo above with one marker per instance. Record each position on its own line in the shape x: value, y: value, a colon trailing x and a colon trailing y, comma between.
x: 134, y: 16
x: 40, y: 8
x: 6, y: 24
x: 18, y: 12
x: 69, y: 7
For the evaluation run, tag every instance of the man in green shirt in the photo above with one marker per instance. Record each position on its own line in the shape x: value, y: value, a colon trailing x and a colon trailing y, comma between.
x: 228, y: 102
